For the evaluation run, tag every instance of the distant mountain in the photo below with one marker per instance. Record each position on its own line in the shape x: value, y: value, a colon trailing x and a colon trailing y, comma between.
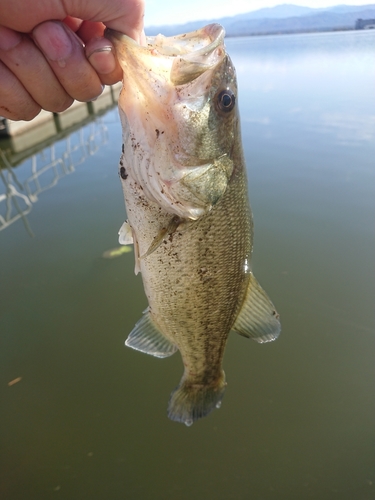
x: 285, y: 18
x: 279, y: 12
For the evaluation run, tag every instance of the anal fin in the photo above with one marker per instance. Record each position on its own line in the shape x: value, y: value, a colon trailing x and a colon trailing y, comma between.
x: 258, y: 318
x: 145, y: 337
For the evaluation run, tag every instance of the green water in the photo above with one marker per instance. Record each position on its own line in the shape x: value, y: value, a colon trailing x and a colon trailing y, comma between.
x: 88, y: 418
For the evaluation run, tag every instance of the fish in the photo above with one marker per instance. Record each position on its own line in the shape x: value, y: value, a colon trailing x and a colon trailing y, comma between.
x: 183, y: 175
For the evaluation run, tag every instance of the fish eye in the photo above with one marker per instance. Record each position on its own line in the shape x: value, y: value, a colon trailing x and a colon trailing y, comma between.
x: 226, y: 100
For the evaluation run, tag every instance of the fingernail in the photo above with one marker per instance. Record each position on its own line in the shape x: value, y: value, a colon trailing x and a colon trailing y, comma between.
x: 54, y: 41
x: 95, y: 98
x: 103, y: 60
x: 9, y: 38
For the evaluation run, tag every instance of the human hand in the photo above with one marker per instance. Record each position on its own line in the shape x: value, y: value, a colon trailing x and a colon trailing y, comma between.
x: 54, y: 52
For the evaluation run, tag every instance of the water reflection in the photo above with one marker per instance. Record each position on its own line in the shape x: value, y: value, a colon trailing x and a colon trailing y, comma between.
x: 43, y: 170
x: 17, y: 205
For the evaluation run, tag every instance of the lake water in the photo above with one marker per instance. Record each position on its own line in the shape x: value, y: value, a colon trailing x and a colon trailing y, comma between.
x: 88, y: 418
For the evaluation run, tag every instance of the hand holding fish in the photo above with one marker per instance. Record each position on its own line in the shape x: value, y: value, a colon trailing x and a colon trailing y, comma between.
x: 54, y: 52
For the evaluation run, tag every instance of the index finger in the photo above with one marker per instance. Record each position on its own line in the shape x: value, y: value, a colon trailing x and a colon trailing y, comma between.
x: 121, y: 15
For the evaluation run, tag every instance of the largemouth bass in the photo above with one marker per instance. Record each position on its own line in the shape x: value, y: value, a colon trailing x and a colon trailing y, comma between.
x: 184, y: 180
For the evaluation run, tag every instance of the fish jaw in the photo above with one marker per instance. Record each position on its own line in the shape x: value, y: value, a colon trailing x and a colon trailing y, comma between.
x: 168, y: 116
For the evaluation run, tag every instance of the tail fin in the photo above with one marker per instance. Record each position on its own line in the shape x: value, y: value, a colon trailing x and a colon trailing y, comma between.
x: 189, y: 402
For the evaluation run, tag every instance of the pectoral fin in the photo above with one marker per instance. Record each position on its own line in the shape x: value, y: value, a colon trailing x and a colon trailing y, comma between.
x: 157, y: 241
x: 145, y: 337
x: 207, y: 183
x: 125, y: 234
x: 258, y: 318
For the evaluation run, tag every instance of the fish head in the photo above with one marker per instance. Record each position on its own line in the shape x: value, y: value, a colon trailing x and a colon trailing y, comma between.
x: 179, y: 114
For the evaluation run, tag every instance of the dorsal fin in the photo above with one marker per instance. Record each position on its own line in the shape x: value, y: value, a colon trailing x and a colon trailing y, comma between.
x: 258, y: 318
x: 145, y: 337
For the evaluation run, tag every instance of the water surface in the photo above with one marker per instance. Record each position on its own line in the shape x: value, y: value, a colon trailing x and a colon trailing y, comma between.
x: 88, y: 418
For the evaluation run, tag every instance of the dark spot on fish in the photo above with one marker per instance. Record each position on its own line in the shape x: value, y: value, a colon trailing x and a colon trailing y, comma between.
x: 123, y: 147
x: 123, y: 173
x: 157, y: 132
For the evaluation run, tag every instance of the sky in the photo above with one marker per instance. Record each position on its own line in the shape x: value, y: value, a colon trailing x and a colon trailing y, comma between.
x: 161, y: 12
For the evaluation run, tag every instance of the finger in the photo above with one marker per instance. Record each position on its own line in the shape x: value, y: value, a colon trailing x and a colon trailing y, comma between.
x: 73, y: 23
x: 65, y: 55
x: 27, y: 63
x: 125, y: 16
x: 15, y: 102
x: 88, y: 30
x: 128, y: 17
x: 100, y: 52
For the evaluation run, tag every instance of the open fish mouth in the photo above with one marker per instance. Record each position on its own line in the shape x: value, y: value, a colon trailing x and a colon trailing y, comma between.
x: 170, y: 119
x: 178, y: 59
